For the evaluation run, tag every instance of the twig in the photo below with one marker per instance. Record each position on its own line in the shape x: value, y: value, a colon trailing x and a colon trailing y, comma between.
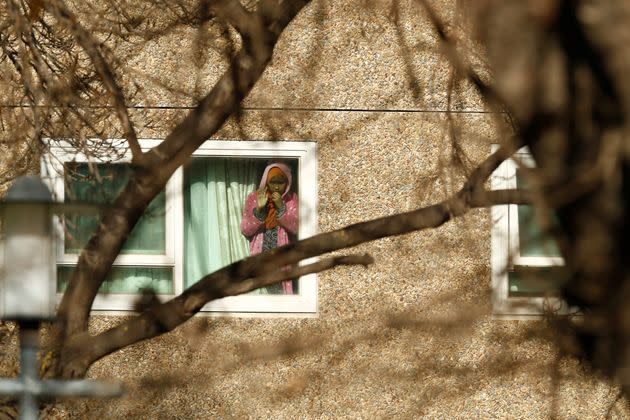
x: 488, y: 92
x: 90, y: 46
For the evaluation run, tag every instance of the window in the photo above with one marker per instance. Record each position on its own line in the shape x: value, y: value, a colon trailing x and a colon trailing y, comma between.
x: 190, y: 229
x: 526, y: 264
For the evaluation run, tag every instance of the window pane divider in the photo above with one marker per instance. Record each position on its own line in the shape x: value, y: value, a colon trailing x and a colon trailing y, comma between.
x: 130, y: 260
x: 537, y: 261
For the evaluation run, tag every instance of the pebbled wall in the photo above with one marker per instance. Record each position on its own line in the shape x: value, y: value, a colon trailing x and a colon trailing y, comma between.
x: 411, y: 336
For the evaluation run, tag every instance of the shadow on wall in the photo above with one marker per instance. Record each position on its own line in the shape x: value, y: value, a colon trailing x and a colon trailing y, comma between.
x: 447, y: 360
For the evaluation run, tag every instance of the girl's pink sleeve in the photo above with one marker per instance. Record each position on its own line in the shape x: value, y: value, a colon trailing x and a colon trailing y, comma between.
x: 250, y: 223
x: 290, y: 218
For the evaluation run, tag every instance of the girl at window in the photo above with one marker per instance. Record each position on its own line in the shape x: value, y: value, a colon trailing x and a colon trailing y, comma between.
x: 270, y: 215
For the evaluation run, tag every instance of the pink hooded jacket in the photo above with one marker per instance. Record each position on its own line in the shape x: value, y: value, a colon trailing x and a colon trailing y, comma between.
x: 254, y: 229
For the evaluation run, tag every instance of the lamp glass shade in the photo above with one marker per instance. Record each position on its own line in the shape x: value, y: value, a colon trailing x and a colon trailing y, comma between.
x: 28, y: 280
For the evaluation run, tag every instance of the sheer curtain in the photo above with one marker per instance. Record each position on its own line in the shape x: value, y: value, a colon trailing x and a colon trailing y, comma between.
x: 214, y: 194
x: 126, y: 279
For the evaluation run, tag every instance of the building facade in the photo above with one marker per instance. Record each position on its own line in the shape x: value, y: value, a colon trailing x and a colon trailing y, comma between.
x: 363, y: 102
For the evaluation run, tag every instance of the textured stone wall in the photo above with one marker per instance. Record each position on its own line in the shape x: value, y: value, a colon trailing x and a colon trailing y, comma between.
x: 411, y: 336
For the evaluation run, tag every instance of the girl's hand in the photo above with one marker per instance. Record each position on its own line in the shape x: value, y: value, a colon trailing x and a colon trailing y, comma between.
x: 277, y: 200
x: 261, y: 199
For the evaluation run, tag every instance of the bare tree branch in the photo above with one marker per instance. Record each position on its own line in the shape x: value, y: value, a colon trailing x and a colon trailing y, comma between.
x: 295, y: 272
x: 491, y: 96
x: 58, y: 9
x: 23, y: 66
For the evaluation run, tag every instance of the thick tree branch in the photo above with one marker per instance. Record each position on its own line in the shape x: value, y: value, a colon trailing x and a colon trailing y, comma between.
x: 85, y: 350
x: 260, y: 269
x: 295, y: 272
x: 485, y: 198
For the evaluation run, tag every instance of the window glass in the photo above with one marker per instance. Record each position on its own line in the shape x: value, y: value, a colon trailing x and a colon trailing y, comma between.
x: 532, y: 241
x: 124, y: 279
x: 215, y: 193
x: 535, y: 281
x: 101, y: 183
x: 527, y: 268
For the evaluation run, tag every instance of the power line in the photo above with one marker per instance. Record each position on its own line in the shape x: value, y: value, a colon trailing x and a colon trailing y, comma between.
x: 283, y: 109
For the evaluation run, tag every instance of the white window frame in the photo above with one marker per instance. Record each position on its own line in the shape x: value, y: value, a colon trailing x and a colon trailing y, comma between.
x: 505, y: 252
x: 304, y: 303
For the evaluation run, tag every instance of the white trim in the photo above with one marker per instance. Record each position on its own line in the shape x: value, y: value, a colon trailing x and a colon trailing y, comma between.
x: 302, y: 304
x: 52, y: 171
x: 505, y: 252
x: 123, y: 312
x: 306, y: 152
x: 539, y: 261
x: 53, y: 168
x: 500, y: 243
x: 177, y: 201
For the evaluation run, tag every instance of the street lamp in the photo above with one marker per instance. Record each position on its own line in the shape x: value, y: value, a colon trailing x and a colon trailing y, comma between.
x: 28, y: 291
x: 29, y: 271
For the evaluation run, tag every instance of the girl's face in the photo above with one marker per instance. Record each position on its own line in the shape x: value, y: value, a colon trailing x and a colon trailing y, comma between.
x: 277, y: 184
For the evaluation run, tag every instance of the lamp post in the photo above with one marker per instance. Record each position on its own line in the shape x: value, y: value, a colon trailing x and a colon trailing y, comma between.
x: 28, y: 293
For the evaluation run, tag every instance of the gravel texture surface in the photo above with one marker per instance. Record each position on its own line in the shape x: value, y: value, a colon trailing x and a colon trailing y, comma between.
x: 411, y: 336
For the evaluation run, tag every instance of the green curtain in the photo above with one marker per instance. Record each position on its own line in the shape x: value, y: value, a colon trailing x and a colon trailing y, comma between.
x: 215, y: 190
x: 127, y: 279
x: 101, y: 183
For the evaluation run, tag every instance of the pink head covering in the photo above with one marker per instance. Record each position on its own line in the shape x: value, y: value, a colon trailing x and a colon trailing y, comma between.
x: 285, y: 170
